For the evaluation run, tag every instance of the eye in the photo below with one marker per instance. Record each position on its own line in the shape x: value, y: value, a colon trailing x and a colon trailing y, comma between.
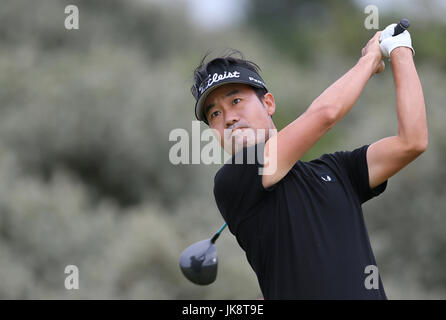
x: 214, y: 114
x: 236, y: 100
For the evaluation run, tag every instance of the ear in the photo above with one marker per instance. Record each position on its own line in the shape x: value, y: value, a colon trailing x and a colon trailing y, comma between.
x: 269, y: 103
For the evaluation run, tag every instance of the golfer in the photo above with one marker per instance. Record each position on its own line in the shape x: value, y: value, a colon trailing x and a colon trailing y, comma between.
x: 302, y: 226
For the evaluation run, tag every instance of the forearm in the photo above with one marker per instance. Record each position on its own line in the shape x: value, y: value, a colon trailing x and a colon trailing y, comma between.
x: 341, y: 96
x: 411, y: 110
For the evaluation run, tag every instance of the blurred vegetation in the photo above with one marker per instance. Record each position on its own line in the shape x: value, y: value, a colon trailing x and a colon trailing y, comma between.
x: 85, y: 116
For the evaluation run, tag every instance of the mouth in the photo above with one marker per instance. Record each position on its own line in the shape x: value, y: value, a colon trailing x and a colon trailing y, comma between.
x: 234, y: 130
x: 238, y: 128
x: 230, y: 133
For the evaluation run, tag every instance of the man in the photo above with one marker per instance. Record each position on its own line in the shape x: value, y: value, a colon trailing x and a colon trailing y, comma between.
x: 302, y: 225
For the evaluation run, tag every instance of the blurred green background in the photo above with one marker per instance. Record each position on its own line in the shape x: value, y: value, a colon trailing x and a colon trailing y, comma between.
x: 85, y: 116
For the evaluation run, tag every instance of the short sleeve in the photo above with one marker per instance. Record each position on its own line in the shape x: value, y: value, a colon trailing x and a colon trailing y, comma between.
x: 355, y: 164
x: 238, y: 186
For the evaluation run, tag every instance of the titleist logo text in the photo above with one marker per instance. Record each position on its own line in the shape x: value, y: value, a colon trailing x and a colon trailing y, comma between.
x: 216, y: 77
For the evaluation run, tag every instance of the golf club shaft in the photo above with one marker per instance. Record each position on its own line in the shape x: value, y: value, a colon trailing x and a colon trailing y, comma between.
x: 215, y: 237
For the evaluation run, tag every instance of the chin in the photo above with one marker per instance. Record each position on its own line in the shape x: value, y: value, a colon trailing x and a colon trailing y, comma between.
x: 239, y: 145
x: 246, y: 138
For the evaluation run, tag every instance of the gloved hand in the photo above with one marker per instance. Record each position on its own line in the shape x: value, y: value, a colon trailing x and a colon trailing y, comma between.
x: 388, y: 42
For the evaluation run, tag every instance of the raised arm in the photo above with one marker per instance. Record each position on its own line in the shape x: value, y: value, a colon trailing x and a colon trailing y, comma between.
x: 293, y: 141
x: 389, y: 155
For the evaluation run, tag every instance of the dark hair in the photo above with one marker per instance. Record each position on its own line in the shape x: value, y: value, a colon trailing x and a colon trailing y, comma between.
x: 227, y: 60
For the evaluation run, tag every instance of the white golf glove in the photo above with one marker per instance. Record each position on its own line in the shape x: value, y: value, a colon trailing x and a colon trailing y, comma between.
x: 388, y: 42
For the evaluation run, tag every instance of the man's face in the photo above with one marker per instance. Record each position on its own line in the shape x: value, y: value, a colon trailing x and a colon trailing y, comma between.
x: 237, y: 114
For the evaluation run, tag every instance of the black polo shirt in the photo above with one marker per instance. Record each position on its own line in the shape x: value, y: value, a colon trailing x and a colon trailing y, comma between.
x: 305, y: 236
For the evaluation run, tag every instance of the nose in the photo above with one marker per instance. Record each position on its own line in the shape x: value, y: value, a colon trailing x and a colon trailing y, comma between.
x: 231, y: 117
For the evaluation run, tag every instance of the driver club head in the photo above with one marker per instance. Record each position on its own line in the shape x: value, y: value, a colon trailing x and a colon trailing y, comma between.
x: 198, y: 262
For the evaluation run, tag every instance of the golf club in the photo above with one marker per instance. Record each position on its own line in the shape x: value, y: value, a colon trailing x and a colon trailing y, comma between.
x: 198, y: 262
